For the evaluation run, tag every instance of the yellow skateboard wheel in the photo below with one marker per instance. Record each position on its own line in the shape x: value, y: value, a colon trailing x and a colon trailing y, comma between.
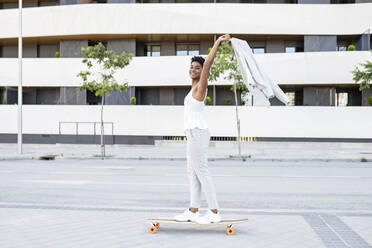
x: 230, y: 231
x: 152, y: 230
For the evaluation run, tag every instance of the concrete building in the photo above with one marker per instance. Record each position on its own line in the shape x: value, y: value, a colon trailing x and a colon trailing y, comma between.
x: 301, y: 44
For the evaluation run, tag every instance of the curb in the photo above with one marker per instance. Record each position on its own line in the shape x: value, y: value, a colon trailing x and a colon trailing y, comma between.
x: 229, y: 158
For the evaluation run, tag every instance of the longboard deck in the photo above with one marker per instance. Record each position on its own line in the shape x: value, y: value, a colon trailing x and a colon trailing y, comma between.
x: 155, y: 224
x: 172, y: 221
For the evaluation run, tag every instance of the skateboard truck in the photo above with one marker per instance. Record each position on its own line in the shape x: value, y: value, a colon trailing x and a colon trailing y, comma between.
x: 230, y: 230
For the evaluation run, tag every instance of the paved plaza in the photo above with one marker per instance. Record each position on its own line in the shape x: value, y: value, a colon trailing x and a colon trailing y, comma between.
x: 80, y: 202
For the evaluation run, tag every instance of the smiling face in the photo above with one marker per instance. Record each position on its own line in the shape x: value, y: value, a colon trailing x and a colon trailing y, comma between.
x: 195, y: 70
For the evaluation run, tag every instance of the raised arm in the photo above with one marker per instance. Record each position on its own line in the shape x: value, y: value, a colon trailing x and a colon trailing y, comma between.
x: 199, y: 92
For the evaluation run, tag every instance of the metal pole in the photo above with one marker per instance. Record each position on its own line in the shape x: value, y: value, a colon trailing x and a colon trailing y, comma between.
x: 368, y: 39
x: 102, y: 129
x: 20, y: 78
x: 237, y: 121
x: 214, y: 84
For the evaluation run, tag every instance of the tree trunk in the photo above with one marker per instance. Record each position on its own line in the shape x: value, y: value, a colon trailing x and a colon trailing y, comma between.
x: 102, y: 130
x: 237, y: 121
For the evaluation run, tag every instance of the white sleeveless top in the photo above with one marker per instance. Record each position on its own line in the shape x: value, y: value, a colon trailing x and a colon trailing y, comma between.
x: 193, y: 112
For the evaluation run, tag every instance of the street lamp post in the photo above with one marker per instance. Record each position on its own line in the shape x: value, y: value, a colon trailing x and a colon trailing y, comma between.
x: 214, y: 84
x: 20, y: 78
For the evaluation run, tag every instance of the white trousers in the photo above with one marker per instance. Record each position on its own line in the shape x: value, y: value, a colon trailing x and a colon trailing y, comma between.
x: 197, y: 168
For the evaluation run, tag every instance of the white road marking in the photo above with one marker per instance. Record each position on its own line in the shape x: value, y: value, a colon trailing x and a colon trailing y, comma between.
x: 101, y: 183
x: 147, y: 184
x: 277, y: 176
x: 57, y: 182
x: 113, y: 167
x: 72, y: 172
x: 82, y: 173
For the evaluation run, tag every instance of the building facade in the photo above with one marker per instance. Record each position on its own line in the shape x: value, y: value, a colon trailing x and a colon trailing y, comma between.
x: 173, y: 36
x: 302, y: 44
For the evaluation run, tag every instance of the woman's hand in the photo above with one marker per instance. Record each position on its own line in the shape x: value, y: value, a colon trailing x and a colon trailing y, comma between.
x: 225, y: 37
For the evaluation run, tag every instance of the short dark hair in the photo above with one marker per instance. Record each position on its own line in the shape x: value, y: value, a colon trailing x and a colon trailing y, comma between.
x: 198, y: 59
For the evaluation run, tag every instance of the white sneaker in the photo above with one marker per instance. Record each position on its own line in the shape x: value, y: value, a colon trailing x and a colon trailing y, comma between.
x: 187, y: 216
x: 210, y: 217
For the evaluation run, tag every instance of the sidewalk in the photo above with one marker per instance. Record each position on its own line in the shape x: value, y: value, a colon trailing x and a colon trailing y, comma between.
x: 35, y: 226
x: 176, y: 150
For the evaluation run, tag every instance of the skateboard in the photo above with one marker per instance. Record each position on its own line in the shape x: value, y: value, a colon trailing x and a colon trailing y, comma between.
x: 155, y: 224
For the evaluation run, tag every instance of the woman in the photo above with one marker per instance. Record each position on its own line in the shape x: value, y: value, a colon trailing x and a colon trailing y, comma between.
x: 197, y: 133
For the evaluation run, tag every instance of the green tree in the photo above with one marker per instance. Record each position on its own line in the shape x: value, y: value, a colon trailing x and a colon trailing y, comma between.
x: 226, y: 65
x: 133, y: 100
x: 101, y: 66
x: 225, y: 62
x: 207, y: 100
x: 351, y: 47
x: 364, y: 76
x: 370, y: 101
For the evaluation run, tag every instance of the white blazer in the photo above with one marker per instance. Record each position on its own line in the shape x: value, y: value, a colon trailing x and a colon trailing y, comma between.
x: 253, y: 75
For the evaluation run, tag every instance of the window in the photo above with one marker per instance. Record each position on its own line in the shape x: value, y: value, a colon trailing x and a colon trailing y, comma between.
x: 341, y: 99
x: 194, y: 1
x: 152, y: 50
x: 151, y: 1
x: 342, y: 44
x: 291, y: 49
x: 92, y: 99
x: 252, y: 1
x: 299, y: 49
x: 342, y: 1
x: 194, y: 49
x: 341, y: 48
x: 181, y: 50
x: 94, y: 42
x: 292, y: 97
x: 258, y: 50
x: 47, y: 51
x: 247, y: 99
x: 187, y: 49
x: 43, y: 96
x: 295, y: 95
x: 294, y: 46
x: 2, y: 101
x: 47, y: 3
